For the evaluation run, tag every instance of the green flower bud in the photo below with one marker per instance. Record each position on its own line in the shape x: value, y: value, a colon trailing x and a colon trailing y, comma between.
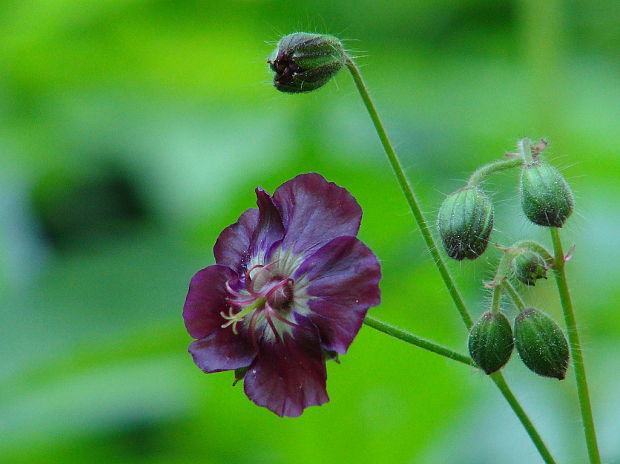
x: 529, y: 267
x: 303, y: 62
x: 490, y: 342
x: 465, y: 223
x: 541, y: 344
x: 546, y: 198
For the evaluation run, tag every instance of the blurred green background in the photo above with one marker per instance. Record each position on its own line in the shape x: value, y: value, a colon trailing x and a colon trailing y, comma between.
x: 133, y: 131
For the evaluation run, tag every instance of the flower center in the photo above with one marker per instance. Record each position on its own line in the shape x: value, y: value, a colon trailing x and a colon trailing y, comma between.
x: 280, y: 297
x: 264, y: 291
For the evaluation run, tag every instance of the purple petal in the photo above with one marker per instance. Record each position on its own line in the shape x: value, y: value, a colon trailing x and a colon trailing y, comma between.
x: 205, y: 300
x: 344, y: 277
x: 314, y: 212
x: 222, y: 351
x: 269, y: 228
x: 289, y: 376
x: 232, y: 247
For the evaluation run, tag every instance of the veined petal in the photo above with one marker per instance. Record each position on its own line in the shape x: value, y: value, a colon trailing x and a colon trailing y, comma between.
x: 205, y: 300
x: 269, y: 229
x: 222, y: 351
x: 232, y: 247
x: 343, y: 281
x: 289, y: 375
x: 314, y: 212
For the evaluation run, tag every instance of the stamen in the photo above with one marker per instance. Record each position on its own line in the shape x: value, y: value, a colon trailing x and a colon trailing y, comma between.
x: 268, y: 312
x: 255, y: 281
x: 291, y: 323
x: 248, y: 273
x: 230, y: 290
x: 253, y: 331
x: 241, y: 303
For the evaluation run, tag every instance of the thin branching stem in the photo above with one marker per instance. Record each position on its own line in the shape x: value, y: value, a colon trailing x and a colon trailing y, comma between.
x: 413, y: 339
x: 481, y: 174
x: 437, y: 259
x: 514, y: 295
x: 537, y: 248
x: 409, y: 194
x: 499, y: 380
x: 497, y: 299
x: 575, y: 348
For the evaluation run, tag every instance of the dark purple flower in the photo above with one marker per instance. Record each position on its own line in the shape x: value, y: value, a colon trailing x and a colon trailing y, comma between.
x: 291, y: 283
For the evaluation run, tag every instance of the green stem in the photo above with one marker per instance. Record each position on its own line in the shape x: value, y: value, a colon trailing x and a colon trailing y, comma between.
x: 575, y: 348
x: 497, y: 299
x: 525, y: 149
x: 536, y: 247
x: 512, y: 291
x: 409, y: 195
x: 485, y: 171
x: 499, y: 380
x: 504, y: 267
x: 432, y: 248
x: 408, y: 337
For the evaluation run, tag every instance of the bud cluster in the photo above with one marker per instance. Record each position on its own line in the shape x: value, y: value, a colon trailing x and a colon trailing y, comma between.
x: 539, y: 341
x: 465, y: 219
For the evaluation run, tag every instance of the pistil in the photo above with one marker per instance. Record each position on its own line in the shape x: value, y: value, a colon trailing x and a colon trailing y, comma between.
x: 234, y: 318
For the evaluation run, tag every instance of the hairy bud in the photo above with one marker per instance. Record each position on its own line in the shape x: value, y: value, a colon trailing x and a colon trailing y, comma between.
x: 490, y: 342
x: 541, y: 344
x: 304, y: 62
x: 529, y: 267
x: 546, y: 197
x: 465, y: 223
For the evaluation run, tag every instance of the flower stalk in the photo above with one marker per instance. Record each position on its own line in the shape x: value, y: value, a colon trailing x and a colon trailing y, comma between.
x: 413, y: 339
x: 500, y: 382
x: 496, y: 299
x: 514, y: 295
x: 575, y: 348
x: 481, y: 174
x: 409, y: 194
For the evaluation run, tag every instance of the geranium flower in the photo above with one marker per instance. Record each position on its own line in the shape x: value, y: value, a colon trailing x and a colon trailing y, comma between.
x: 291, y: 287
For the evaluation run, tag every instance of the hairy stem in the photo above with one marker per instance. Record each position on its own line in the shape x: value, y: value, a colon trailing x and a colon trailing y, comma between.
x: 575, y: 348
x: 504, y: 267
x: 432, y: 248
x: 497, y: 299
x: 537, y: 248
x: 413, y: 339
x: 409, y: 195
x: 525, y: 149
x: 514, y: 295
x: 499, y: 380
x: 485, y: 171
